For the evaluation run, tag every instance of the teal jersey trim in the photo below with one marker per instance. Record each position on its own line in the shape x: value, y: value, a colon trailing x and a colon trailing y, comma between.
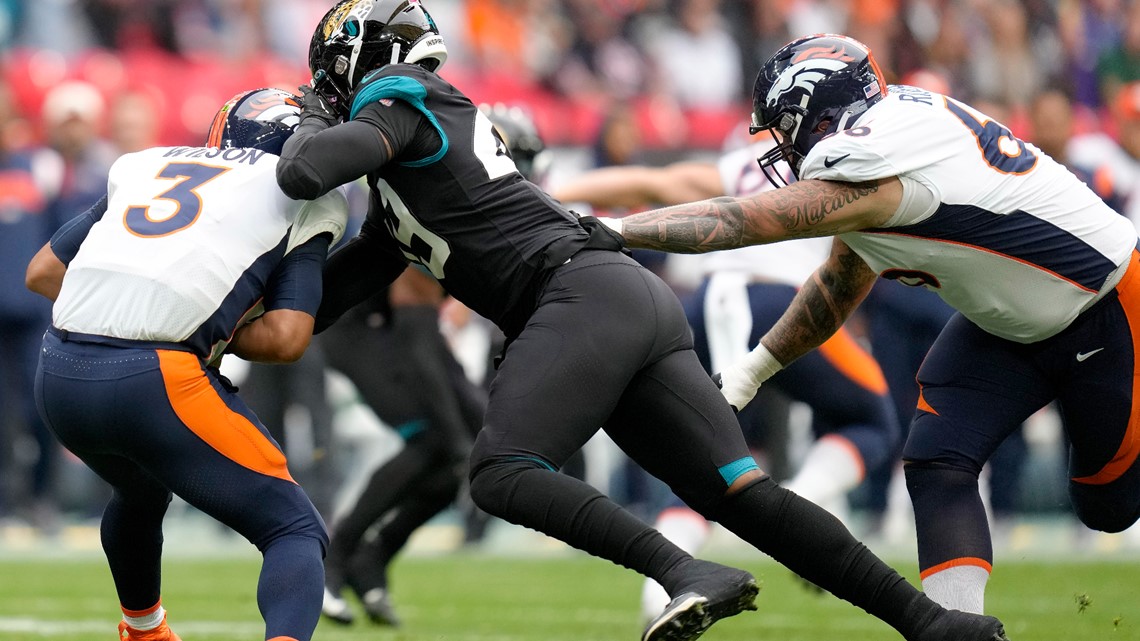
x: 535, y: 460
x: 737, y: 469
x: 409, y: 91
x: 409, y: 429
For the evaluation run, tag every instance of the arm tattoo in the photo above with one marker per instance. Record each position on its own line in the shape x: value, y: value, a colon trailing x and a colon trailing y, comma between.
x: 801, y: 210
x: 693, y: 228
x: 821, y: 306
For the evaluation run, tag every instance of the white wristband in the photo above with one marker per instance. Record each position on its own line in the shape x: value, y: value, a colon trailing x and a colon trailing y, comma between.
x: 612, y: 223
x: 759, y: 365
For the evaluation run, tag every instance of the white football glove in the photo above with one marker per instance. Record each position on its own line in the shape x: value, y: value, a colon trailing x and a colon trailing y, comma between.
x: 740, y: 380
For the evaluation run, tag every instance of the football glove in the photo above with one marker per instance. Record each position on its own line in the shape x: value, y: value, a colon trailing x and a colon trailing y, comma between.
x: 314, y: 105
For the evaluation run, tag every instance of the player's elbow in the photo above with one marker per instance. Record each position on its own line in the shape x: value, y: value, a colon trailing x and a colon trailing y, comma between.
x: 292, y: 340
x: 297, y: 182
x: 44, y: 274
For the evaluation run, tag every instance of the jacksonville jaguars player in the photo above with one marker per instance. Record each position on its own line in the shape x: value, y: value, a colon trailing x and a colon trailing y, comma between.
x: 742, y: 294
x: 194, y: 252
x: 594, y: 339
x: 922, y: 188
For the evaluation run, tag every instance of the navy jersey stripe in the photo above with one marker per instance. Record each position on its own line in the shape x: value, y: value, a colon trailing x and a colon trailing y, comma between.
x: 1018, y: 235
x: 246, y: 292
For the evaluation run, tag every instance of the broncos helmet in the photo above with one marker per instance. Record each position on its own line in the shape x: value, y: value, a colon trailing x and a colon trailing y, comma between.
x: 260, y: 119
x: 811, y: 88
x: 357, y: 36
x: 519, y: 133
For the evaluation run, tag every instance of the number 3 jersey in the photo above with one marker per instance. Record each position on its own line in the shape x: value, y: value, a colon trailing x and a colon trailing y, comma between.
x: 187, y: 243
x: 1004, y: 234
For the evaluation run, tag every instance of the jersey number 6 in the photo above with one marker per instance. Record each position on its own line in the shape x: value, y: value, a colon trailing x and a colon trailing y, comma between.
x: 188, y: 203
x: 1001, y: 149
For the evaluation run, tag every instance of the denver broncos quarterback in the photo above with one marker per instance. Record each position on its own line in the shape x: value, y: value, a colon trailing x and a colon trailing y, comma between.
x: 594, y: 339
x: 151, y: 286
x: 920, y: 187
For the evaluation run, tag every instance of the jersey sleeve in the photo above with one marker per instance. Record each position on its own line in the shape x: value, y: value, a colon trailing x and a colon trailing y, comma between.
x: 848, y: 156
x: 327, y: 214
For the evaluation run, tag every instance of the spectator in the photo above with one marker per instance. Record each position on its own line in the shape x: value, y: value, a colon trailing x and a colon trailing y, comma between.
x: 1120, y: 64
x: 697, y: 59
x: 24, y: 227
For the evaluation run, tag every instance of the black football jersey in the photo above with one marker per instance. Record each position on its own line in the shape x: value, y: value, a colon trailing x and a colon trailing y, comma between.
x: 454, y: 202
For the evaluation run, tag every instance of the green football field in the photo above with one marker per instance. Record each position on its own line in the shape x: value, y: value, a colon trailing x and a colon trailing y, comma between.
x: 482, y: 597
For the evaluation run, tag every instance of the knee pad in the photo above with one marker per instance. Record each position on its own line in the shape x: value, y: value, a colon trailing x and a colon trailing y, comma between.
x: 493, y: 481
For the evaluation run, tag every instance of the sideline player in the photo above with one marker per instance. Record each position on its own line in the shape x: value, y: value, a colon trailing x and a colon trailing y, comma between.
x: 921, y: 188
x: 593, y: 338
x: 149, y: 286
x: 743, y: 293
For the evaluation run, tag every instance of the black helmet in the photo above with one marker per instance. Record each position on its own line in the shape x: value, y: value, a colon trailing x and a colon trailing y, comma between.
x: 519, y: 134
x: 260, y: 119
x: 357, y: 36
x: 812, y: 87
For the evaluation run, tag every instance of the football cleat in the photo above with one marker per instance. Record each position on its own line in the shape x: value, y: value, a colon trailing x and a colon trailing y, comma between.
x: 336, y: 609
x: 379, y: 608
x: 955, y: 625
x: 161, y: 633
x: 714, y: 593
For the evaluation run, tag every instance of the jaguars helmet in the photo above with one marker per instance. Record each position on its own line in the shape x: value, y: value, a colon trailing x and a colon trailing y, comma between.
x: 811, y: 88
x: 357, y: 36
x: 260, y: 119
x: 519, y: 133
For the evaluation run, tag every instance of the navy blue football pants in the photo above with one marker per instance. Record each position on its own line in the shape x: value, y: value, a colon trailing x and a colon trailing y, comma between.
x: 976, y: 388
x: 155, y: 421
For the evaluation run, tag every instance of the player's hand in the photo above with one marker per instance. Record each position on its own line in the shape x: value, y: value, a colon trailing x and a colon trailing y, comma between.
x: 314, y: 105
x: 602, y: 236
x: 737, y: 389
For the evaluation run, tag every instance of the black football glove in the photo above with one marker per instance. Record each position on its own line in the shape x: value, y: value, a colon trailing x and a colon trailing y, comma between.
x: 601, y: 235
x: 314, y: 105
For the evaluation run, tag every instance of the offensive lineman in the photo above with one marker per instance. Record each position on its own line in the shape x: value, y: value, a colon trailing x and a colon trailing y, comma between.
x: 594, y: 338
x: 919, y: 187
x: 149, y: 286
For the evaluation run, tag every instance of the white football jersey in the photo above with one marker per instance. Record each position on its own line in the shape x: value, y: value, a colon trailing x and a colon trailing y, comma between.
x: 188, y: 241
x: 1004, y: 234
x: 790, y: 262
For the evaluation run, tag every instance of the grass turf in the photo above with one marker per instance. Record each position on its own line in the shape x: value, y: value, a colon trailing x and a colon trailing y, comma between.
x: 474, y: 597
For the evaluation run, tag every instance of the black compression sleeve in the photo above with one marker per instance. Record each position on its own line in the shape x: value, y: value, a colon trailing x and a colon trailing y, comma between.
x: 355, y: 272
x: 312, y: 164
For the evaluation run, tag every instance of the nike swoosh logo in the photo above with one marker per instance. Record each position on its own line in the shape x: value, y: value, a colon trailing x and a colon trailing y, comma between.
x: 831, y: 162
x: 1082, y: 356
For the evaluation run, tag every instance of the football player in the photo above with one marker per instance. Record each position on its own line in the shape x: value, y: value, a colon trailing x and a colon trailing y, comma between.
x: 743, y: 293
x: 151, y: 286
x: 921, y: 188
x: 425, y: 395
x: 594, y: 339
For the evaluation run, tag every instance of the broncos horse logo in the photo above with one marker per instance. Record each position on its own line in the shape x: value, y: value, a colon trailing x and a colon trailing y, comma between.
x: 808, y: 68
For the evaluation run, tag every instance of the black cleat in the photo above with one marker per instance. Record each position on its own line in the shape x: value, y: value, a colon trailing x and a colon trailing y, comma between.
x: 715, y: 593
x: 955, y: 625
x: 379, y: 608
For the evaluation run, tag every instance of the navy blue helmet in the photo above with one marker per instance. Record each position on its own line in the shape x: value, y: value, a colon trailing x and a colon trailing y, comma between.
x: 812, y: 87
x: 357, y: 36
x: 260, y: 119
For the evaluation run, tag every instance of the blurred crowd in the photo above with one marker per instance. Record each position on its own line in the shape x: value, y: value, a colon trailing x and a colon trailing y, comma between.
x: 613, y: 81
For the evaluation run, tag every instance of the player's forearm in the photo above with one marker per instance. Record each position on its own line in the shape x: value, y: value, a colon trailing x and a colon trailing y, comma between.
x: 278, y: 336
x: 315, y: 162
x: 809, y: 208
x: 821, y: 306
x: 45, y: 273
